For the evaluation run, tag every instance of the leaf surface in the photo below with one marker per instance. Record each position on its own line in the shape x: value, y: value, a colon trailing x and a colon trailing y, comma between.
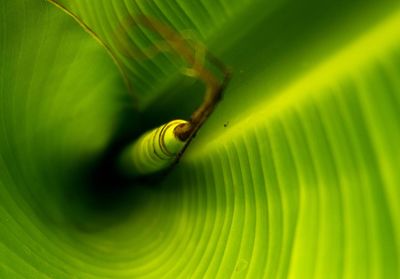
x: 294, y: 175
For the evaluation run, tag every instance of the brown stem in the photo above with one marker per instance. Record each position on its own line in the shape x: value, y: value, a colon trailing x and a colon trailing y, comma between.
x: 187, y: 51
x: 212, y: 96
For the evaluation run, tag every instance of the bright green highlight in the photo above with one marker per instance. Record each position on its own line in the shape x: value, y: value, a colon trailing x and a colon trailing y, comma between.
x: 317, y: 165
x: 346, y: 62
x: 154, y: 151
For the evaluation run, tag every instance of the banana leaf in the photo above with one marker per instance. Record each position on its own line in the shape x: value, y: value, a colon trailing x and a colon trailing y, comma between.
x: 295, y: 174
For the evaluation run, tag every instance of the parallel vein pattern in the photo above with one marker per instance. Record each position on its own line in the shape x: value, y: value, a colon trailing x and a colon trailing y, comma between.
x: 317, y: 175
x: 304, y: 186
x: 152, y: 75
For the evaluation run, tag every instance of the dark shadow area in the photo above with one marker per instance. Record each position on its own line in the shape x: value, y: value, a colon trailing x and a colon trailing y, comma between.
x: 101, y: 195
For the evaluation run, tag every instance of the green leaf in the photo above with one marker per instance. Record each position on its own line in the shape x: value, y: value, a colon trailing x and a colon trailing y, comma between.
x: 114, y: 24
x: 294, y: 175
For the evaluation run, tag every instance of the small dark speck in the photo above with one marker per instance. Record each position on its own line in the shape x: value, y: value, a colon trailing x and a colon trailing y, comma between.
x: 226, y: 124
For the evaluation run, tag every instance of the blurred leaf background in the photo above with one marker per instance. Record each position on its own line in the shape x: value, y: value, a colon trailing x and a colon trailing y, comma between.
x: 294, y: 175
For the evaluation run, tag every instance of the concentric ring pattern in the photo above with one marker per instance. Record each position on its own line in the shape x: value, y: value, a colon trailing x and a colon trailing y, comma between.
x: 301, y: 182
